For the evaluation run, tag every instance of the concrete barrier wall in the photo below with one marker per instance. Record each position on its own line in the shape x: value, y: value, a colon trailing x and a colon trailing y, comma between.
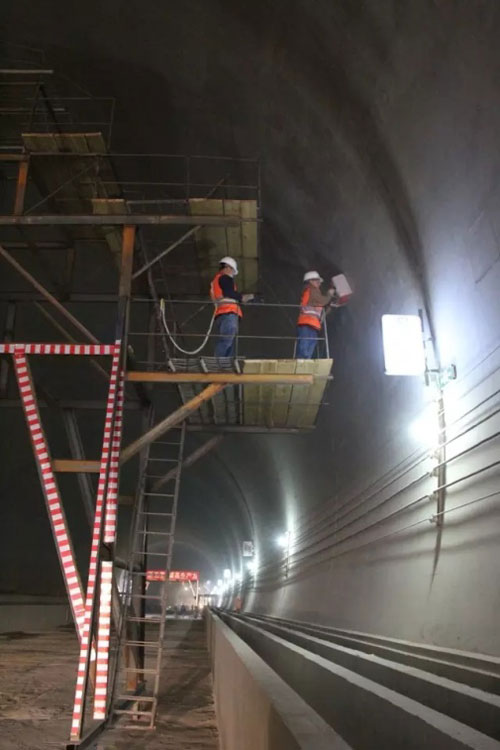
x: 32, y: 614
x: 368, y: 714
x: 256, y: 709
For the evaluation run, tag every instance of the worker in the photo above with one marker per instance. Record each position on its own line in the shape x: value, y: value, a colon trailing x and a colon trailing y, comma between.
x: 312, y: 309
x: 227, y: 300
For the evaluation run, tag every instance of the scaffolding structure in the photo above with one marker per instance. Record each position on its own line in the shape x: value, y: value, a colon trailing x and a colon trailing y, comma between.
x: 68, y: 193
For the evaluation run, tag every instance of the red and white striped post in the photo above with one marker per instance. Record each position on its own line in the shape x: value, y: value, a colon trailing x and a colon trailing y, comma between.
x: 55, y: 509
x: 83, y: 664
x: 114, y: 467
x: 103, y: 638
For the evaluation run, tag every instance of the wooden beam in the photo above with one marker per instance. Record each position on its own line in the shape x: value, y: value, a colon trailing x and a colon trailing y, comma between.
x: 72, y: 465
x: 76, y: 448
x: 120, y: 219
x: 172, y: 420
x: 218, y: 377
x: 69, y: 465
x: 48, y: 296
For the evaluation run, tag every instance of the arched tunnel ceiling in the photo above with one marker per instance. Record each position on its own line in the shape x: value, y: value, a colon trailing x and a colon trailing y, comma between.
x: 377, y: 124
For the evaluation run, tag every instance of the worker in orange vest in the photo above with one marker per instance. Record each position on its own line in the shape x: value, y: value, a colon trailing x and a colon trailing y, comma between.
x: 312, y: 309
x: 227, y: 300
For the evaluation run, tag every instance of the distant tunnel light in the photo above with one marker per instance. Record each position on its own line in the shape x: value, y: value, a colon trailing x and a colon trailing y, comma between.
x: 252, y: 567
x: 283, y: 540
x: 404, y: 352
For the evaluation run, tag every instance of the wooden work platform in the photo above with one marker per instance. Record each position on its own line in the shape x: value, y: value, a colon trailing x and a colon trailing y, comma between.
x: 270, y: 406
x: 285, y: 405
x: 240, y: 242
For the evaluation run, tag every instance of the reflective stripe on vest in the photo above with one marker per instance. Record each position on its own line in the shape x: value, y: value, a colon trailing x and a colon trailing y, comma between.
x: 223, y: 304
x: 309, y: 315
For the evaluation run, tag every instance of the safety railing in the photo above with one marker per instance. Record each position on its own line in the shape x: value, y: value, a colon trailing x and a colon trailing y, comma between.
x: 189, y: 329
x: 154, y: 183
x: 30, y: 103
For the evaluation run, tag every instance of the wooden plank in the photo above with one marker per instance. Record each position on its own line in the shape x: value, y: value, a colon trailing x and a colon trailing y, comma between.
x: 282, y: 394
x: 64, y: 465
x: 260, y: 376
x: 299, y: 393
x: 251, y: 393
x: 112, y: 235
x: 322, y: 368
x: 267, y: 393
x: 109, y: 206
x: 95, y: 143
x: 240, y: 241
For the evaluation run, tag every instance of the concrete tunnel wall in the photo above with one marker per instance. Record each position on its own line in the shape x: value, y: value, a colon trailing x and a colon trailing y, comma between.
x: 377, y: 128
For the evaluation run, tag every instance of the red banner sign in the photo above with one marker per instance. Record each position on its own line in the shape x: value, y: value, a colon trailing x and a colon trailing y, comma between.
x: 174, y: 575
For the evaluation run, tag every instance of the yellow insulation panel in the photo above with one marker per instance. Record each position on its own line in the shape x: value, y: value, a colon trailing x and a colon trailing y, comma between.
x: 240, y: 242
x: 294, y: 406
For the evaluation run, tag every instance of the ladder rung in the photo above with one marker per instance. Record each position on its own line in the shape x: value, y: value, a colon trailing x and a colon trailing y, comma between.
x: 129, y: 697
x: 143, y: 727
x: 158, y: 494
x: 151, y: 513
x: 131, y: 711
x: 153, y: 620
x: 146, y: 644
x: 156, y: 533
x: 156, y: 554
x: 164, y: 442
x: 140, y: 669
x: 164, y: 460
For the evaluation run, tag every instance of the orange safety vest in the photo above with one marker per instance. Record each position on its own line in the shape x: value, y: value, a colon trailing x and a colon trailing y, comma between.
x: 223, y: 304
x: 309, y: 316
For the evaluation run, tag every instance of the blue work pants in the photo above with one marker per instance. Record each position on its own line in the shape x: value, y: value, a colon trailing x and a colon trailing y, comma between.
x: 227, y: 330
x: 307, y: 338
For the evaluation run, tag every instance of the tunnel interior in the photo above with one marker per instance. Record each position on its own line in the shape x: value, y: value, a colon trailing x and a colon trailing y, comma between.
x: 375, y: 128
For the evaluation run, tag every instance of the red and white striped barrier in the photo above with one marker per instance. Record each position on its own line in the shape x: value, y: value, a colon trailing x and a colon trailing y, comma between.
x: 50, y: 490
x: 81, y: 680
x: 114, y: 468
x: 103, y: 635
x: 93, y: 350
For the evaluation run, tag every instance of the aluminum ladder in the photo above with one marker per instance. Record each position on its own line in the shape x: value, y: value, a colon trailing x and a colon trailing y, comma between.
x: 145, y: 602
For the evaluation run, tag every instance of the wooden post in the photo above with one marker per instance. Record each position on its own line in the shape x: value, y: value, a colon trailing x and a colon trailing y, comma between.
x: 22, y: 181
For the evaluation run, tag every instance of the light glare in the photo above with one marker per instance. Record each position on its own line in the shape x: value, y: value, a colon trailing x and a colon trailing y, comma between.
x: 404, y: 352
x: 283, y: 540
x: 425, y: 429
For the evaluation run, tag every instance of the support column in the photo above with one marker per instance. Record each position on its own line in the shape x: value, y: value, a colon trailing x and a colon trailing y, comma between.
x: 22, y: 182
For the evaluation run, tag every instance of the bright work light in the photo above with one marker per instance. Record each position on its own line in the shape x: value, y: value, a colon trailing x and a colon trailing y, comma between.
x: 404, y: 352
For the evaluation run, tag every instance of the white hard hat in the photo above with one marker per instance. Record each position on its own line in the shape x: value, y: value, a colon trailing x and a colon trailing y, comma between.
x: 312, y: 275
x: 228, y: 261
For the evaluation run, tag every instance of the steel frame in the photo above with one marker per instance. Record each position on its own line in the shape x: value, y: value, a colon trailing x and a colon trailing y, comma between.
x: 93, y: 608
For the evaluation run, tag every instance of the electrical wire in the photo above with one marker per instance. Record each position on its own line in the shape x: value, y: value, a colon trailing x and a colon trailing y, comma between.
x: 176, y: 345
